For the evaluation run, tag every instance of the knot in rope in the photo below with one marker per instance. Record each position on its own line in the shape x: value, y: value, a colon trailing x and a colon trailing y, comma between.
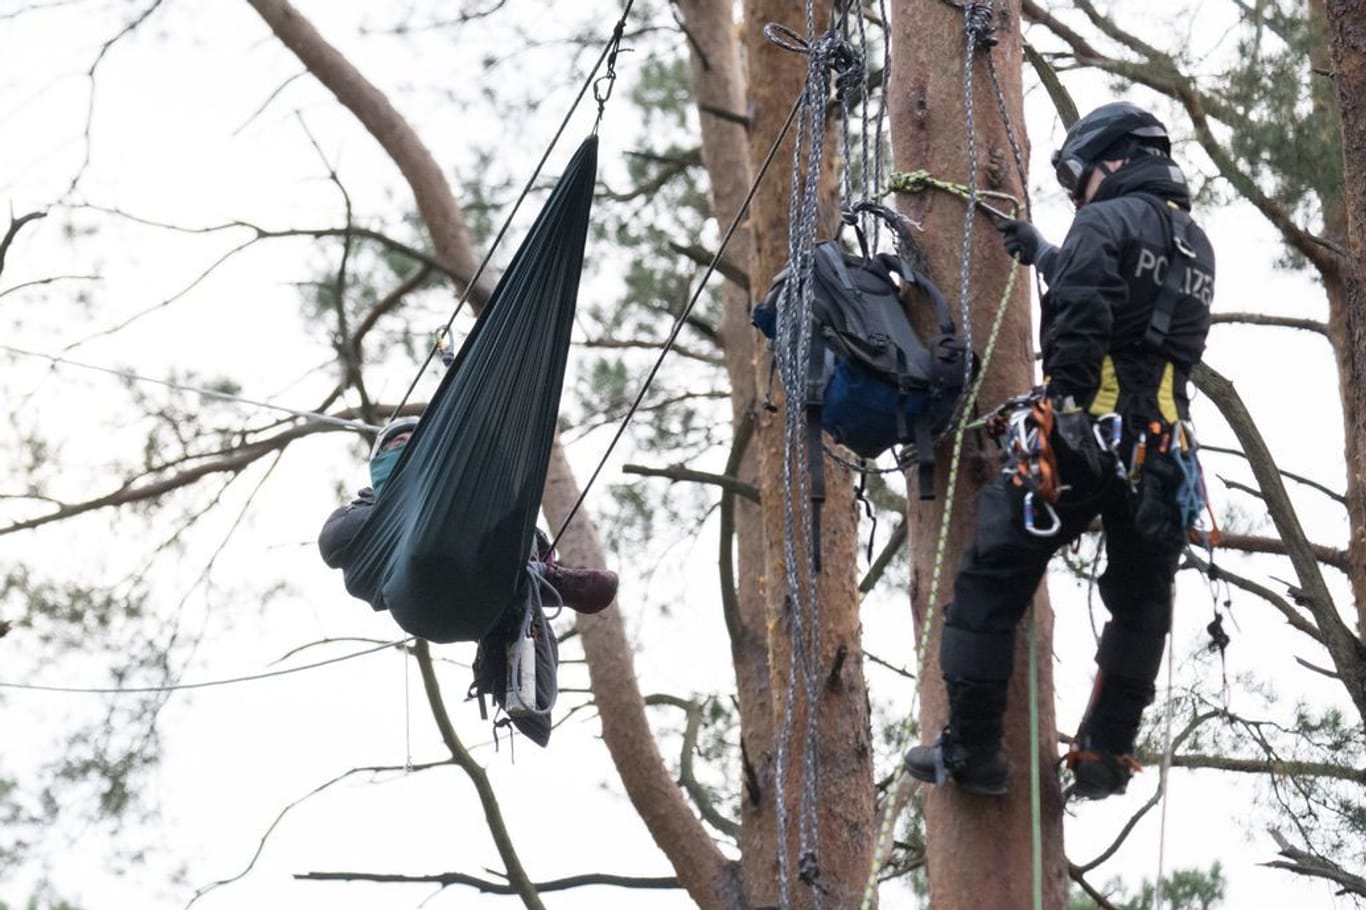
x: 808, y: 868
x: 910, y: 182
x: 980, y: 25
x: 828, y: 52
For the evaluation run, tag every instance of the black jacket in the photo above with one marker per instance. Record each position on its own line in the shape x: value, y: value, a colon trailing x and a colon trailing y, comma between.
x: 337, y: 535
x: 1103, y: 285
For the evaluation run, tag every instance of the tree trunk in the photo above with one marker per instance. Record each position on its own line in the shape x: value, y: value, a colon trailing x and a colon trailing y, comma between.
x: 841, y: 844
x: 720, y: 88
x: 979, y: 850
x: 1347, y: 24
x: 709, y: 877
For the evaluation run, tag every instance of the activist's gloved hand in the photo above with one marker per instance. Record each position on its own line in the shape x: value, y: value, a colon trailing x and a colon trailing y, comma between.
x: 1023, y: 241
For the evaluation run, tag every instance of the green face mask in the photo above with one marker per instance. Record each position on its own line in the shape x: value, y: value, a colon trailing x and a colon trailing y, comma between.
x: 382, y: 465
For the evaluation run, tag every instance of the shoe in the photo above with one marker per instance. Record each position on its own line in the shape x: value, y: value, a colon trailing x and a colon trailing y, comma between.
x: 982, y: 771
x: 583, y: 590
x: 1097, y: 773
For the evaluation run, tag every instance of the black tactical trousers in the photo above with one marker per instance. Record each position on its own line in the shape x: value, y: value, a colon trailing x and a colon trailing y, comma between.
x: 996, y: 583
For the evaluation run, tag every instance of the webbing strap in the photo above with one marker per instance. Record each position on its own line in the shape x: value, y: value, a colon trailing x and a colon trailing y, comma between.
x: 815, y: 396
x: 1164, y: 309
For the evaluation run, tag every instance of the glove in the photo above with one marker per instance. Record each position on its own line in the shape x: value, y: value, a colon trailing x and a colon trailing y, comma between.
x: 1083, y: 459
x: 1024, y: 242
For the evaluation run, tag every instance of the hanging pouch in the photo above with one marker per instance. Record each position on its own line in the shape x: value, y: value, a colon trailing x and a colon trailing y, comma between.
x: 1158, y: 516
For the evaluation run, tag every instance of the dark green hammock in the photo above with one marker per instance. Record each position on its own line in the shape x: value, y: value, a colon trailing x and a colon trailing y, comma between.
x: 446, y: 545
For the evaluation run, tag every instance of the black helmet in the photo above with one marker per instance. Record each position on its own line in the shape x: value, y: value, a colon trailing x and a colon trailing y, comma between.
x: 391, y: 430
x: 1112, y: 131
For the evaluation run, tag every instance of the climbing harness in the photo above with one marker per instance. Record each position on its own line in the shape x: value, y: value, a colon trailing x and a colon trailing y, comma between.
x: 1023, y: 426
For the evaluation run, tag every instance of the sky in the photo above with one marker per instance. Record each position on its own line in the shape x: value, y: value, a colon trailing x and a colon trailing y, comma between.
x: 199, y: 119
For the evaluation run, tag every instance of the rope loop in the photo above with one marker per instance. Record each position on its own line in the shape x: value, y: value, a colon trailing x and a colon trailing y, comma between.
x: 981, y: 25
x: 828, y: 52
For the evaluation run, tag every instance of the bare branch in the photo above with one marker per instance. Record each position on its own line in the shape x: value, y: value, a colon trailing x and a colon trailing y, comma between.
x: 686, y: 776
x: 261, y: 845
x: 1247, y: 543
x: 679, y: 473
x: 518, y: 881
x: 1326, y: 770
x: 446, y: 879
x: 128, y: 29
x: 1303, y: 862
x: 14, y: 226
x: 1342, y: 645
x: 1298, y: 478
x: 884, y: 558
x: 1280, y: 322
x: 613, y: 344
x: 673, y: 166
x: 703, y: 257
x: 1285, y: 608
x: 1078, y: 875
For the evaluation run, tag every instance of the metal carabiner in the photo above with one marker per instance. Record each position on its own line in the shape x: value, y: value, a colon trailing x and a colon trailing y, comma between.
x: 1029, y: 518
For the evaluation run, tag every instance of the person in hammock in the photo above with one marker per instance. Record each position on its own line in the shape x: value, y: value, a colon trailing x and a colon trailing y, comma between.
x: 580, y: 589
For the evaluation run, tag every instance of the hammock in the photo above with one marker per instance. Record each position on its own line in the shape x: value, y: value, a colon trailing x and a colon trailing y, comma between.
x: 446, y: 545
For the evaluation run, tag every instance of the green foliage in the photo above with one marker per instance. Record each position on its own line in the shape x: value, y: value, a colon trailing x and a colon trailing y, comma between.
x: 1286, y: 135
x: 1185, y: 889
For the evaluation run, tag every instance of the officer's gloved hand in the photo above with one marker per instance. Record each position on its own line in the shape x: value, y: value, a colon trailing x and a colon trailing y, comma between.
x: 1072, y: 425
x: 1022, y: 240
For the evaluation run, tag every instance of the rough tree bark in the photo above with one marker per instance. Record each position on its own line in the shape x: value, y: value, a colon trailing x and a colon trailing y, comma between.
x: 979, y: 850
x: 1347, y: 25
x: 843, y: 754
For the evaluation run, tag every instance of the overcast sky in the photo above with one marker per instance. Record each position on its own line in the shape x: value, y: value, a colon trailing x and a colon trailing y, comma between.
x: 188, y: 128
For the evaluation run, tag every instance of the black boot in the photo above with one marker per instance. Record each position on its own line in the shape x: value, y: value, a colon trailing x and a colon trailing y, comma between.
x: 1102, y: 760
x: 1098, y: 773
x: 981, y: 770
x: 969, y: 750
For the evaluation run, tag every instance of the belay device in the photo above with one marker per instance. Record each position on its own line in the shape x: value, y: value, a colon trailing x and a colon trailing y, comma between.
x: 874, y: 382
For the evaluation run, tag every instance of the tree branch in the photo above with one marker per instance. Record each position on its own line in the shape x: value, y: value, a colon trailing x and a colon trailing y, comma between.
x: 1343, y: 646
x: 14, y: 225
x: 1248, y: 543
x: 1280, y: 322
x: 446, y: 879
x: 704, y: 257
x: 679, y: 473
x: 1286, y: 609
x: 1302, y: 862
x: 1200, y: 761
x: 518, y: 881
x: 1159, y: 72
x: 686, y: 776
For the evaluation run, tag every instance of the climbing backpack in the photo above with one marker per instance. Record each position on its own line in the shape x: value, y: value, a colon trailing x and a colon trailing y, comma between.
x: 874, y: 381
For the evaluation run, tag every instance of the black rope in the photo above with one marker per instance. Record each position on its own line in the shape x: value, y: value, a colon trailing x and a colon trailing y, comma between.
x: 682, y: 318
x: 609, y: 53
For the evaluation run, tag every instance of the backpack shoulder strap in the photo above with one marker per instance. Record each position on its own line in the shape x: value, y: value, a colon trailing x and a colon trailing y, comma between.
x: 919, y: 279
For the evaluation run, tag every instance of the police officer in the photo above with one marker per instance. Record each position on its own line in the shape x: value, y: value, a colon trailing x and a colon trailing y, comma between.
x: 1123, y: 323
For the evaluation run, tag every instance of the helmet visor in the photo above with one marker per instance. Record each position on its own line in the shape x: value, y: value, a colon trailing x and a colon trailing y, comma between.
x: 1069, y: 172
